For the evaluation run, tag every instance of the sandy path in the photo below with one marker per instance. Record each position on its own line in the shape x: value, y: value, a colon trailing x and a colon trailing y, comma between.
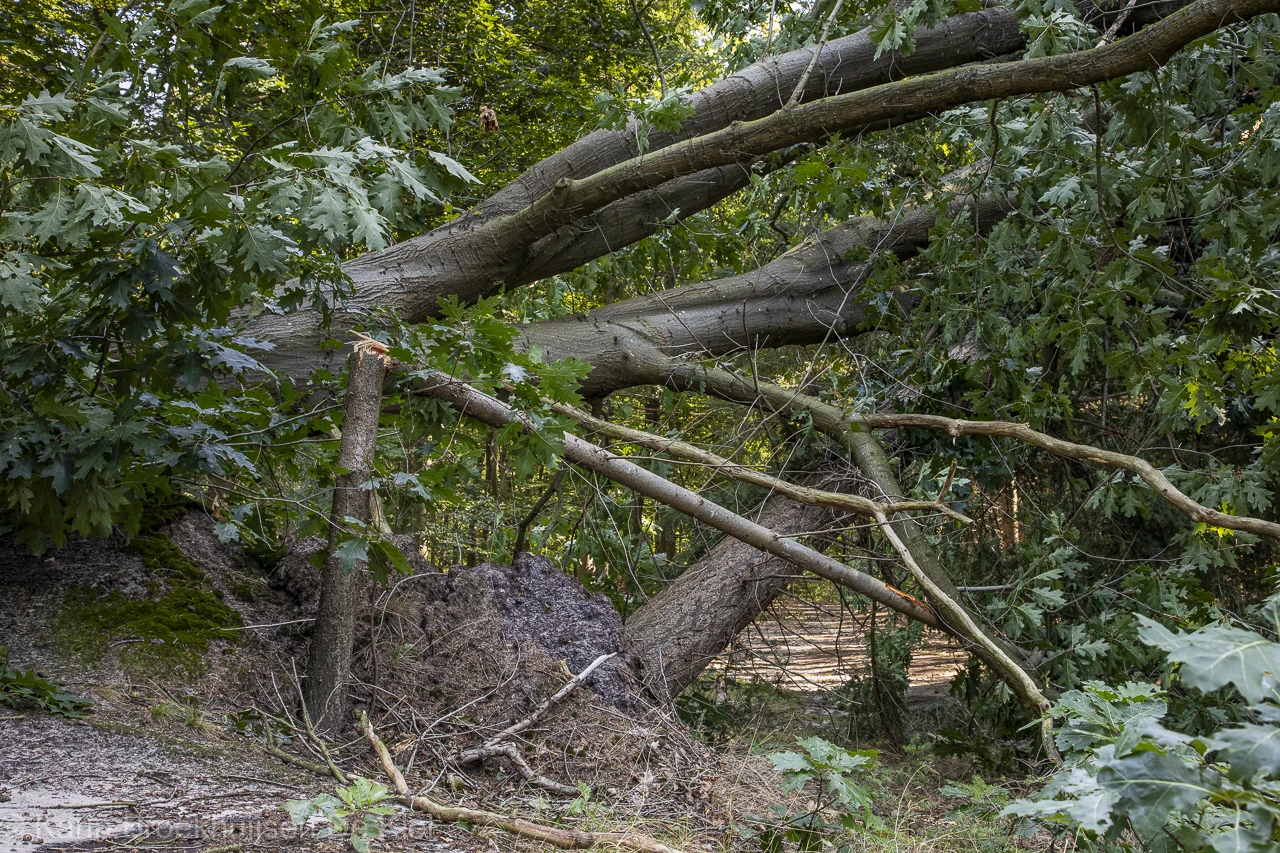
x: 73, y: 786
x: 801, y: 646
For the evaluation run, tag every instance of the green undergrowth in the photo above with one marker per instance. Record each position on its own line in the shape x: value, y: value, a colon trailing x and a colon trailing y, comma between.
x: 170, y: 629
x: 26, y: 689
x: 917, y: 794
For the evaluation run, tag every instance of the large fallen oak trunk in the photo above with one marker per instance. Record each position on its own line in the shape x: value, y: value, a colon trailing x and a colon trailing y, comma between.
x: 468, y: 258
x: 484, y: 252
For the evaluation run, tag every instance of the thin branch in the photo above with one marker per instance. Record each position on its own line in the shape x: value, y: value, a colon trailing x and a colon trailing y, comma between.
x: 817, y: 53
x: 653, y: 47
x: 523, y: 530
x: 547, y: 703
x: 1151, y: 475
x: 488, y: 410
x: 801, y: 494
x: 495, y: 748
x: 1111, y: 32
x: 512, y: 753
x: 950, y: 609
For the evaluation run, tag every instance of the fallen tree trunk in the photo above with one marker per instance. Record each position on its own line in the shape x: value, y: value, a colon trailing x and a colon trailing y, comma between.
x: 488, y: 410
x: 467, y: 259
x: 679, y: 631
x: 805, y: 296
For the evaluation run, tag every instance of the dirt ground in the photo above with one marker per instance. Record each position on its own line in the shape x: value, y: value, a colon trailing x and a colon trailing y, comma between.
x: 161, y: 763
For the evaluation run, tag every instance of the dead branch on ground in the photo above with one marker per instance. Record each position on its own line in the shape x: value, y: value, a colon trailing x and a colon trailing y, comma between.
x: 495, y: 748
x: 566, y: 839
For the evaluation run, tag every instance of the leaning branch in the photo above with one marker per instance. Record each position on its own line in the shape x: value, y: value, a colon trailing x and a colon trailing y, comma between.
x: 1151, y: 475
x: 486, y: 409
x: 495, y: 413
x: 496, y: 746
x: 953, y: 614
x: 743, y: 473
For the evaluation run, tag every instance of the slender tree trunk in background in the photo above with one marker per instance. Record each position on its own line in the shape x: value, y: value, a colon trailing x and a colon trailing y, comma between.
x: 329, y: 659
x: 679, y: 631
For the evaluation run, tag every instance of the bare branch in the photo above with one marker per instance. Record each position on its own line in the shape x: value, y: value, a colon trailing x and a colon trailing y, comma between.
x: 817, y: 54
x: 1151, y: 475
x: 488, y: 410
x: 743, y: 473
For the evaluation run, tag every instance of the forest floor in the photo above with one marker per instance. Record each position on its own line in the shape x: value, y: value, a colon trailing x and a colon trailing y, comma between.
x: 161, y: 765
x: 812, y: 647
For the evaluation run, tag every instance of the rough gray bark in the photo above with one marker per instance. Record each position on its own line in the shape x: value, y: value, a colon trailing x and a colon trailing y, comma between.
x: 806, y: 296
x: 679, y: 631
x: 329, y: 658
x: 470, y: 257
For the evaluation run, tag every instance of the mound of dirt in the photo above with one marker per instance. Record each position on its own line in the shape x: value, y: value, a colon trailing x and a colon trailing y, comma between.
x: 471, y: 651
x: 444, y: 661
x: 537, y: 611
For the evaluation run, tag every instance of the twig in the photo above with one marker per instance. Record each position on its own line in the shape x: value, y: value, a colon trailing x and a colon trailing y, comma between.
x: 495, y: 748
x: 523, y: 530
x: 567, y: 839
x: 559, y: 696
x: 316, y: 741
x: 817, y: 52
x: 1115, y: 27
x: 287, y: 758
x: 510, y: 752
x: 653, y: 47
x: 269, y: 625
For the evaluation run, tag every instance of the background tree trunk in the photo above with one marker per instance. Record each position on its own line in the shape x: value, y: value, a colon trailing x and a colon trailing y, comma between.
x: 329, y: 659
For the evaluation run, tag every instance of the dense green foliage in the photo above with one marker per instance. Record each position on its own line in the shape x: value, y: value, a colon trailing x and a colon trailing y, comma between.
x: 164, y: 169
x: 1174, y: 791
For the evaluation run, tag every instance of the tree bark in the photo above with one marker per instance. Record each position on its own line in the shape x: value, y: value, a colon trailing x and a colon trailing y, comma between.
x: 470, y: 258
x: 329, y: 658
x: 481, y: 253
x: 679, y: 631
x: 806, y: 296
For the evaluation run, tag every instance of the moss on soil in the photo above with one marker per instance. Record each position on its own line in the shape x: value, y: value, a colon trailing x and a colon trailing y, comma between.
x: 169, y: 630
